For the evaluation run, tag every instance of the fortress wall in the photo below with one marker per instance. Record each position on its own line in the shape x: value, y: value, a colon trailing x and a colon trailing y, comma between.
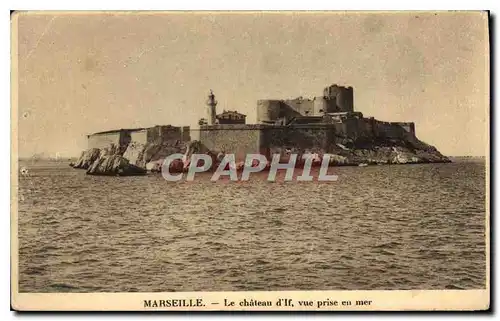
x: 368, y: 127
x: 194, y: 133
x: 317, y: 138
x: 125, y: 139
x: 353, y: 127
x: 408, y: 126
x: 340, y: 129
x: 238, y: 139
x: 335, y: 99
x: 140, y: 136
x: 185, y: 134
x: 272, y: 110
x: 104, y: 140
x: 268, y: 110
x: 319, y: 106
x: 349, y: 128
x: 302, y: 106
x: 288, y: 111
x: 268, y: 139
x: 169, y: 135
x: 297, y: 138
x: 389, y: 130
x: 154, y: 134
x: 362, y: 127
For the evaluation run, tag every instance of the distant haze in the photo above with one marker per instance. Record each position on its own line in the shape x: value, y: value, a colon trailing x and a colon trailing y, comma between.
x: 83, y: 73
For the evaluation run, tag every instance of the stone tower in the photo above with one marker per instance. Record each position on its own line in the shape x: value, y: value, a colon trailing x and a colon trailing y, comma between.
x: 339, y: 98
x: 211, y: 103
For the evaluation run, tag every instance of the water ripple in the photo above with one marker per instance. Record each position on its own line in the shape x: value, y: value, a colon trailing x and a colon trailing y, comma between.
x: 376, y: 228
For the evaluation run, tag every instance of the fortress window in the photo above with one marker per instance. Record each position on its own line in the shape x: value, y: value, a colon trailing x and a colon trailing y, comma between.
x: 321, y: 110
x: 307, y: 112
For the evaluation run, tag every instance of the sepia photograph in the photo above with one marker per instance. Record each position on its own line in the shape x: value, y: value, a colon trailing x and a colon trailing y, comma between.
x: 253, y: 161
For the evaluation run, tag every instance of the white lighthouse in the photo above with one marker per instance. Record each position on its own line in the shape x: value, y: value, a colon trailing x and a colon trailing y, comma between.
x: 211, y: 103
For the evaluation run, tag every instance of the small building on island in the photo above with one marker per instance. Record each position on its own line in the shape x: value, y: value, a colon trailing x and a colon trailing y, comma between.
x: 231, y: 117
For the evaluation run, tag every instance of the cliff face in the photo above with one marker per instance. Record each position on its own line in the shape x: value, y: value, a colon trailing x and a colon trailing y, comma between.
x: 131, y: 159
x: 405, y: 150
x: 87, y: 158
x: 114, y: 165
x: 379, y: 155
x: 142, y: 154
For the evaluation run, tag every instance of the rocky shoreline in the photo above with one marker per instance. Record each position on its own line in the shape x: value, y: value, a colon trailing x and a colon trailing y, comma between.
x: 139, y: 159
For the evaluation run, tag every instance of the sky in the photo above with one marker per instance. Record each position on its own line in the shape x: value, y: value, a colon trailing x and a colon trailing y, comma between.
x: 79, y: 73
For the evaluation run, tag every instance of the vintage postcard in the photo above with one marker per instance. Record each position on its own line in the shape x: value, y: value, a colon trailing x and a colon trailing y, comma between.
x: 250, y: 161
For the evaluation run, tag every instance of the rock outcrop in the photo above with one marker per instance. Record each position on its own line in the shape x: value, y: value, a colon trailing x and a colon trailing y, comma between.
x: 155, y: 166
x: 396, y: 152
x: 114, y: 165
x: 134, y: 153
x: 338, y: 160
x: 141, y: 154
x: 87, y: 158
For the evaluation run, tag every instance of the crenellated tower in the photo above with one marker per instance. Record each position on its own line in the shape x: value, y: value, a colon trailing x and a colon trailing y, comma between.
x: 339, y: 98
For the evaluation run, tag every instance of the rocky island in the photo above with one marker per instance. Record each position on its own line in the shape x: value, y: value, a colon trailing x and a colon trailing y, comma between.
x: 325, y: 124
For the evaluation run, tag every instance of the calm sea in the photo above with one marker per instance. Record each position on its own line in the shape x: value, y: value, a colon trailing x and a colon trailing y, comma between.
x: 376, y: 228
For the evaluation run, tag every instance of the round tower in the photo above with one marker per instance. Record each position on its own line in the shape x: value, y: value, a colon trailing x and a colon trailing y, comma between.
x: 211, y: 103
x: 268, y: 110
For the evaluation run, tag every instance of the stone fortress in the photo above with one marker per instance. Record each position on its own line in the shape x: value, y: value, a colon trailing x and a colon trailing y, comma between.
x: 323, y: 124
x: 319, y: 125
